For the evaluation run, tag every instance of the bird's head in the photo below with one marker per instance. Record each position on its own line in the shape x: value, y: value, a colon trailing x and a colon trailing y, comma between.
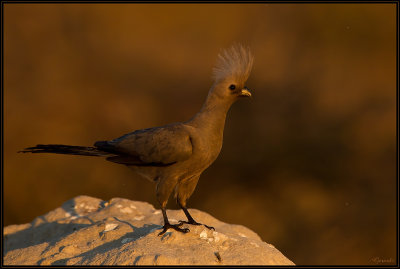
x: 231, y: 71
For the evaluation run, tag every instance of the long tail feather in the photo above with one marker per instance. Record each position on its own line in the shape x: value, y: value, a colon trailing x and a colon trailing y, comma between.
x: 65, y: 149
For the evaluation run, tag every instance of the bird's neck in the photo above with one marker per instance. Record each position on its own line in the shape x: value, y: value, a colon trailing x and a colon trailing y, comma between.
x: 212, y: 114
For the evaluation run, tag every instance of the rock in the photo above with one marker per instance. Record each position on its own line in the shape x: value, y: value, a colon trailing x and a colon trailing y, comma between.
x: 89, y: 231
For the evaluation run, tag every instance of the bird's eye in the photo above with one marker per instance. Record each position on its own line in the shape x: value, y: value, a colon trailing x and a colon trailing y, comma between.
x: 232, y: 87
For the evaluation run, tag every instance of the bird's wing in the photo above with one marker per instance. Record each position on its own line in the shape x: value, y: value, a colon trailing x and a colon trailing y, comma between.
x: 157, y: 146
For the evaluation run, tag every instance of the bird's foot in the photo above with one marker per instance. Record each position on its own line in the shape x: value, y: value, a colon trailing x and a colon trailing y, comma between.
x: 193, y: 222
x: 175, y: 227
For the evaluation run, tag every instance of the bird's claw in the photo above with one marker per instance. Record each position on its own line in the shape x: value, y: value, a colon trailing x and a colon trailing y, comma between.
x: 209, y: 227
x: 175, y: 227
x: 181, y: 222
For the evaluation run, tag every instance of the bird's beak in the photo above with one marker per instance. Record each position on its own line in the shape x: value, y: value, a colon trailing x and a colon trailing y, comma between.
x: 245, y: 92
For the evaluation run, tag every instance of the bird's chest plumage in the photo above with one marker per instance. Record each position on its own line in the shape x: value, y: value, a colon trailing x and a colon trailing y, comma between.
x: 206, y: 148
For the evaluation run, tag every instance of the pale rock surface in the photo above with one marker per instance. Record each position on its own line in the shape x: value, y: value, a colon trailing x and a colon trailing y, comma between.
x: 89, y: 231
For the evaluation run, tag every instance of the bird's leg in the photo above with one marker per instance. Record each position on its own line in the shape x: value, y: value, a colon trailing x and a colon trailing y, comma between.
x: 168, y: 225
x: 163, y: 191
x: 183, y: 191
x: 190, y: 219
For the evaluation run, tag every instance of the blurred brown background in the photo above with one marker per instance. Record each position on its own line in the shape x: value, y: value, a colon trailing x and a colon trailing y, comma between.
x: 308, y: 163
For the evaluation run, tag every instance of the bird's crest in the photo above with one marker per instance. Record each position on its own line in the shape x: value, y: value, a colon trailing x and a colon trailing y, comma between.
x: 234, y: 62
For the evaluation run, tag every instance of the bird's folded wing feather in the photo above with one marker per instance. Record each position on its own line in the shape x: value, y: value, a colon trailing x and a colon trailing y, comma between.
x: 154, y: 146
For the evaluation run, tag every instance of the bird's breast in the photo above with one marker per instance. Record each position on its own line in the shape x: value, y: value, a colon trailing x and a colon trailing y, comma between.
x: 206, y: 150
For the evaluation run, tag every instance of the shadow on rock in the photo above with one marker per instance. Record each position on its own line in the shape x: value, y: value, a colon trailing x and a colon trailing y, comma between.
x: 138, y: 232
x: 49, y: 232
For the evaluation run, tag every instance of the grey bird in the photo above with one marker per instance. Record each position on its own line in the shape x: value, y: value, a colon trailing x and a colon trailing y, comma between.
x: 175, y: 155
